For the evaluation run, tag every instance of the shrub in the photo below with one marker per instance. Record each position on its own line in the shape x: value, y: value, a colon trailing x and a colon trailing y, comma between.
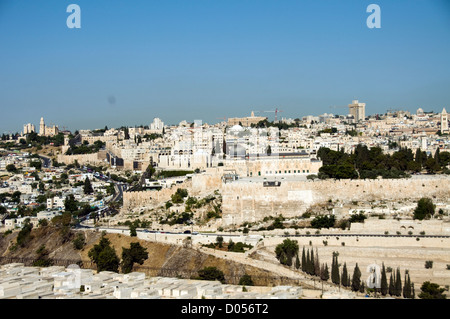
x: 79, y: 242
x: 211, y: 273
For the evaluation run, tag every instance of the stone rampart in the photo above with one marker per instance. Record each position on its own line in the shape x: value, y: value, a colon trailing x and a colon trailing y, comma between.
x: 82, y: 159
x: 151, y: 197
x: 251, y: 200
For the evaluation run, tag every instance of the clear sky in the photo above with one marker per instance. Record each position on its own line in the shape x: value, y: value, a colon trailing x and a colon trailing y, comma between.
x: 135, y: 60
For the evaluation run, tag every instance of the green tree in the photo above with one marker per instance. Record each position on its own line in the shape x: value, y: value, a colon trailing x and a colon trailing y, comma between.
x: 425, y: 209
x: 42, y: 259
x: 79, y: 241
x: 70, y: 204
x: 135, y: 254
x: 286, y: 251
x: 211, y: 273
x: 11, y: 168
x: 335, y: 275
x: 344, y: 276
x: 323, y: 221
x: 88, y: 186
x: 391, y: 285
x: 219, y: 241
x: 407, y: 292
x: 24, y: 236
x: 356, y: 280
x: 133, y: 232
x: 431, y: 290
x: 384, y: 283
x: 246, y: 280
x: 317, y: 264
x: 398, y: 283
x: 297, y: 262
x: 324, y: 273
x: 303, y: 265
x: 104, y: 256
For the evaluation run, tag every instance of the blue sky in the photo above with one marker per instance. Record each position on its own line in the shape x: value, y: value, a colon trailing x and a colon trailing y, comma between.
x: 132, y: 61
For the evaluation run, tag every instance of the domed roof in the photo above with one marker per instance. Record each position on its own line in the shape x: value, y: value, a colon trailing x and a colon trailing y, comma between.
x: 236, y: 127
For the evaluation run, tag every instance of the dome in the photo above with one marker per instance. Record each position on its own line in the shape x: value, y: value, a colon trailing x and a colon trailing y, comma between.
x: 236, y: 128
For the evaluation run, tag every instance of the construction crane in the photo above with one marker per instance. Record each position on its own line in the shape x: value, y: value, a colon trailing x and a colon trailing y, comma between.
x: 275, y: 111
x: 221, y: 118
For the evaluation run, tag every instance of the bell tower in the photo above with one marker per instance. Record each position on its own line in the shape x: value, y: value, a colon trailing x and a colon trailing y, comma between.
x: 42, y: 127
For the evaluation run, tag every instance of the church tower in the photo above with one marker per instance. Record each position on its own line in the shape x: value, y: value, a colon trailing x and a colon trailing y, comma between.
x: 444, y: 121
x: 42, y: 127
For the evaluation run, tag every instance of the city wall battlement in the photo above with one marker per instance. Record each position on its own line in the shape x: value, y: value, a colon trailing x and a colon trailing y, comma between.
x: 251, y: 200
x: 153, y: 197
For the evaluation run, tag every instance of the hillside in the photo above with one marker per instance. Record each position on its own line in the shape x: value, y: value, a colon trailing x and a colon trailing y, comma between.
x: 163, y: 259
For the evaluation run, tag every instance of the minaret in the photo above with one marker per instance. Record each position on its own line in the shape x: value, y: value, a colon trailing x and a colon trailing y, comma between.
x: 42, y: 127
x: 444, y: 121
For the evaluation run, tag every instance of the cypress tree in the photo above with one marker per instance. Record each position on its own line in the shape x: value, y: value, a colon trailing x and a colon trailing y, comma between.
x: 312, y: 264
x: 344, y: 276
x: 333, y: 270
x: 356, y: 280
x: 325, y: 274
x: 335, y: 275
x: 362, y: 287
x: 308, y: 262
x: 297, y: 262
x: 437, y: 157
x: 418, y: 157
x: 338, y: 275
x: 87, y: 186
x: 405, y: 292
x: 391, y: 285
x: 384, y: 284
x: 317, y: 264
x: 408, y: 289
x: 398, y: 284
x: 303, y: 260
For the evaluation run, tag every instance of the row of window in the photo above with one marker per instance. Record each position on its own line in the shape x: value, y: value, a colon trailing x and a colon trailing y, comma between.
x: 285, y: 172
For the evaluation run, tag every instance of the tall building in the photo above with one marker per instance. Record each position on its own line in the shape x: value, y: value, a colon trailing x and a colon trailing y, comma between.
x: 157, y: 124
x: 358, y: 110
x: 42, y: 127
x: 246, y: 121
x: 444, y: 121
x: 47, y: 130
x: 28, y: 128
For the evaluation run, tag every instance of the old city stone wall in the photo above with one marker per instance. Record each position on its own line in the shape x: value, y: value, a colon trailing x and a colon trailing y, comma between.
x: 82, y: 159
x: 251, y: 201
x: 147, y: 198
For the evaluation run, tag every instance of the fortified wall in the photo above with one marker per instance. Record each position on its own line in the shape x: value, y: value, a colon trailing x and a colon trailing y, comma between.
x: 82, y: 159
x: 151, y: 197
x: 249, y: 201
x: 377, y: 226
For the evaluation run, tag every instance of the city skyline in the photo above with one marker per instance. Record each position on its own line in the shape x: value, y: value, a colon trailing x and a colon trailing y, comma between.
x: 206, y: 60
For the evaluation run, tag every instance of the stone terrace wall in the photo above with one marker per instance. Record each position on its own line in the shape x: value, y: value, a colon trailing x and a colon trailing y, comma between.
x: 251, y: 201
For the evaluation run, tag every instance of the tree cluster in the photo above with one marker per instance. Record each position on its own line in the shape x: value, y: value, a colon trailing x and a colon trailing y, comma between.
x: 372, y: 163
x: 106, y: 259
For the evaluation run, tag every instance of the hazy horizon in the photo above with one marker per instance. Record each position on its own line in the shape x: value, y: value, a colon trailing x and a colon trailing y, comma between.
x: 187, y: 60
